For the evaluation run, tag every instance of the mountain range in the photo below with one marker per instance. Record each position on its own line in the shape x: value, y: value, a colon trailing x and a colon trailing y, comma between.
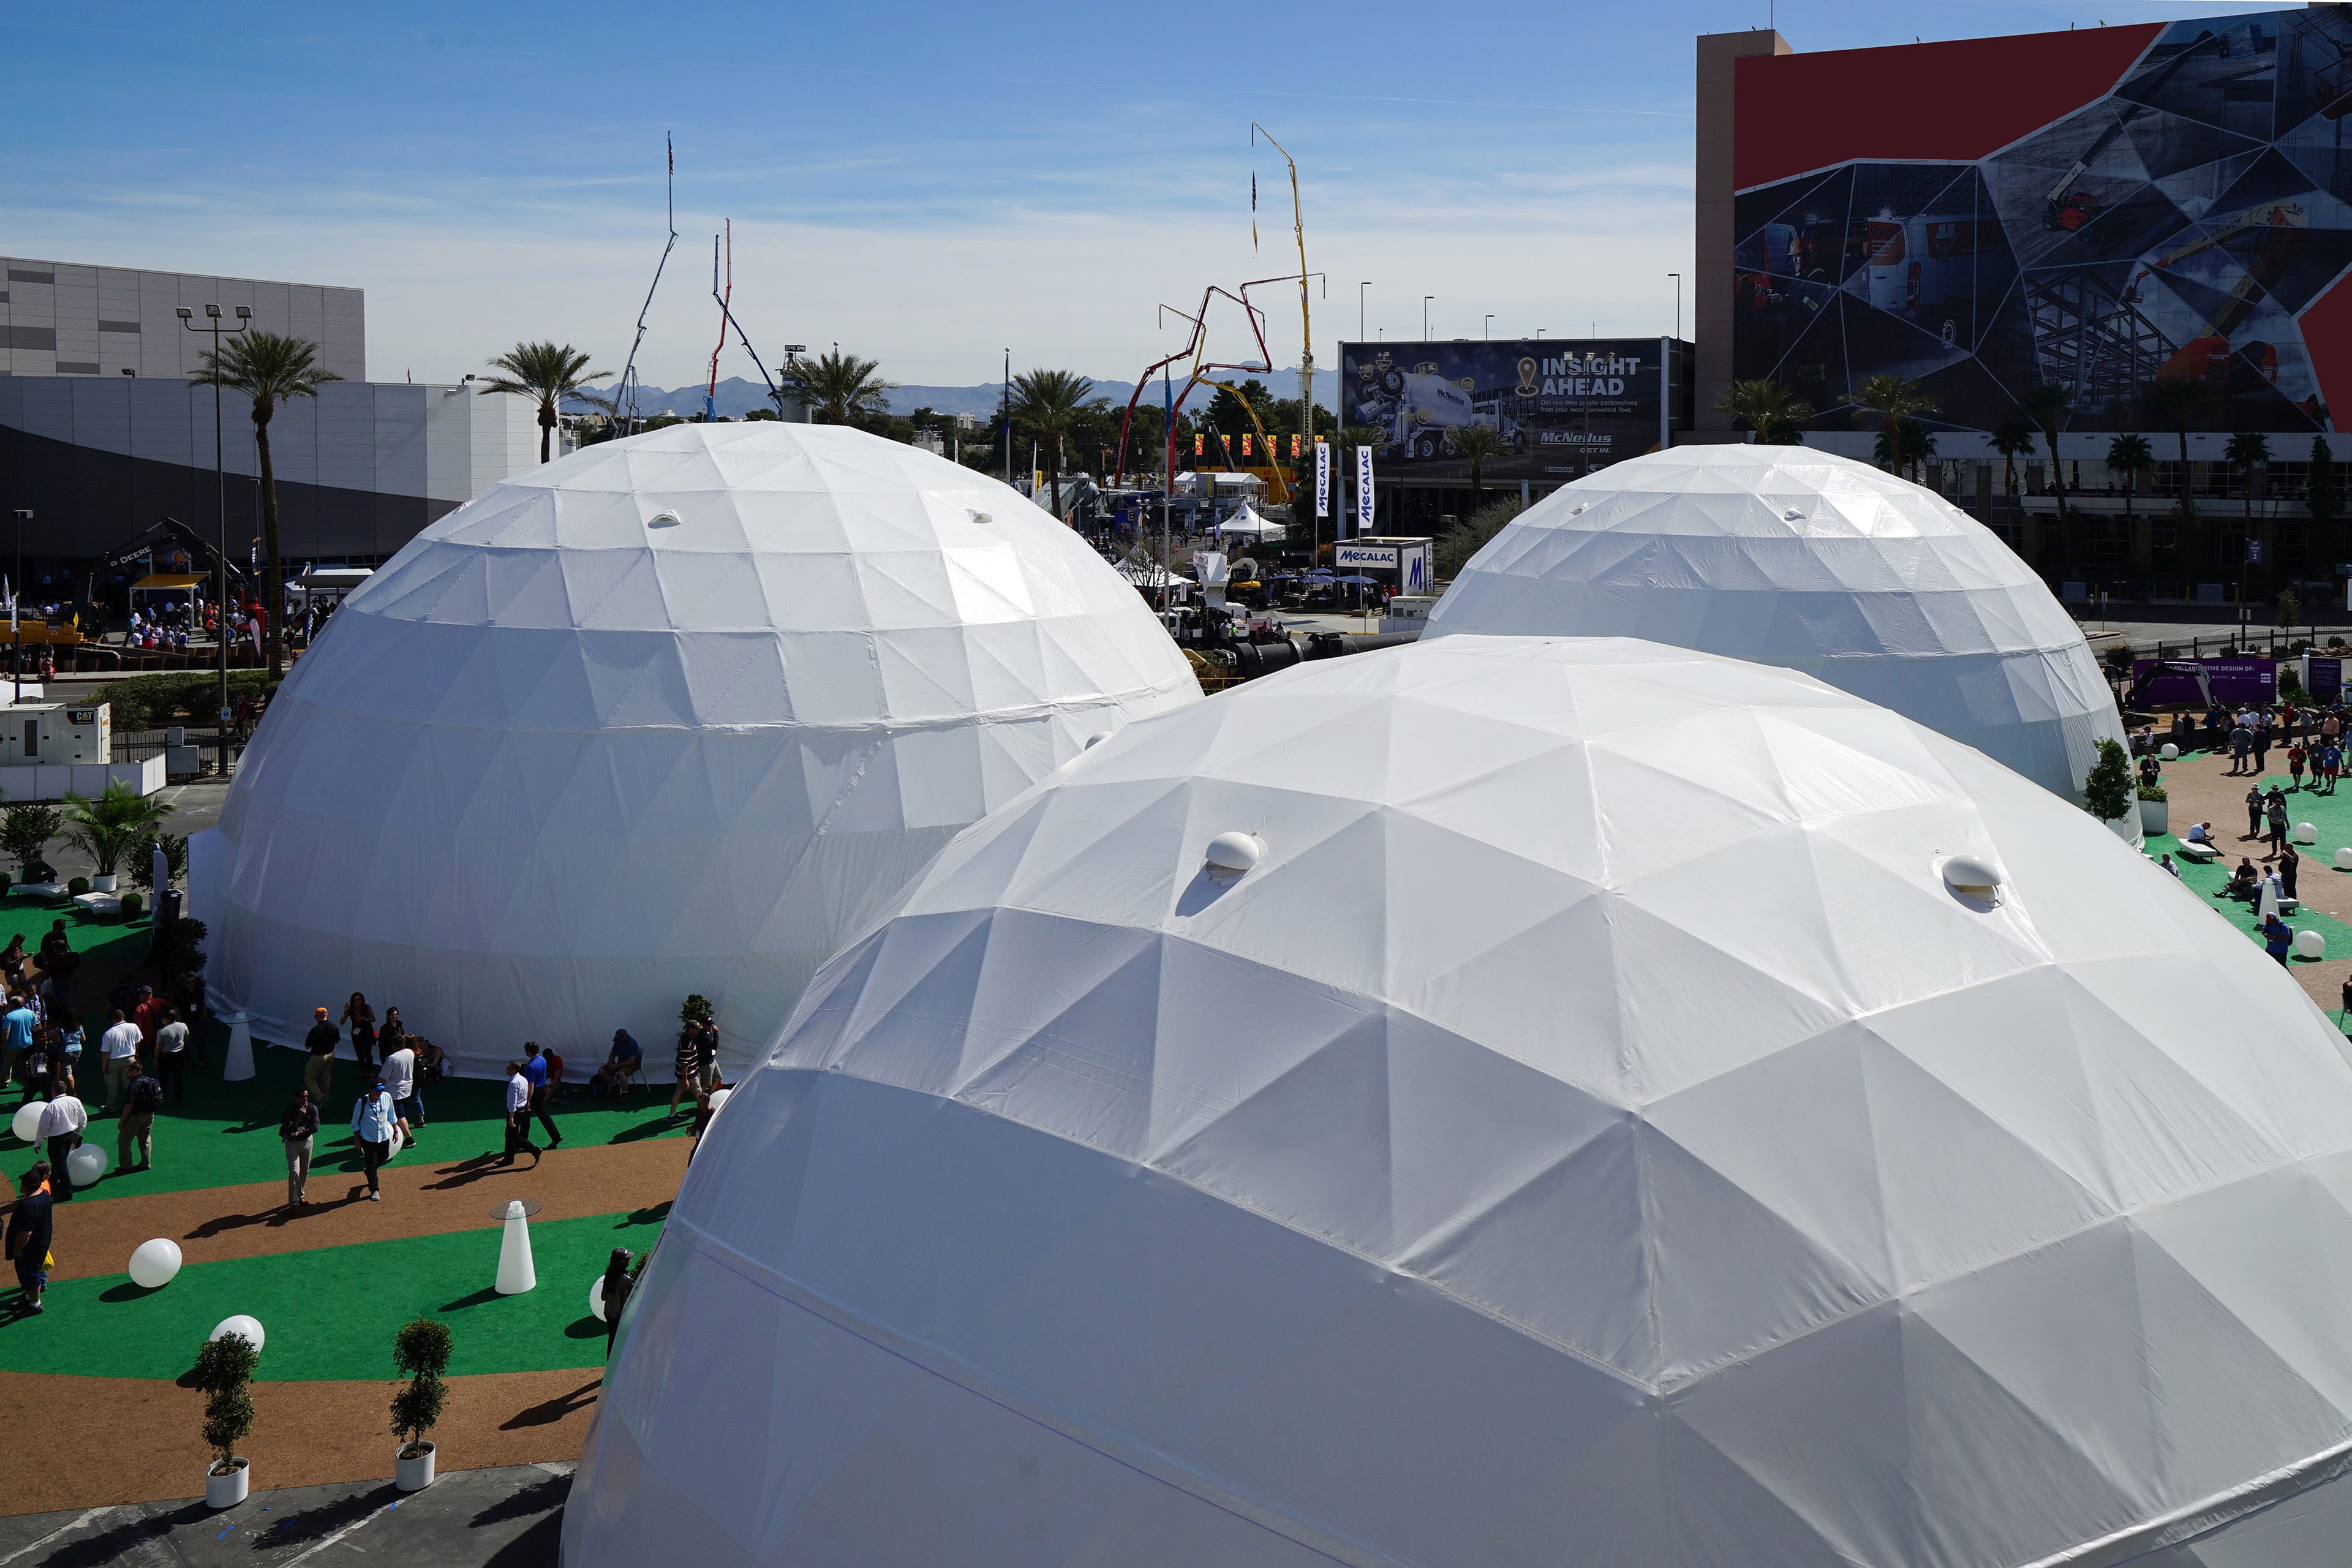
x: 737, y: 396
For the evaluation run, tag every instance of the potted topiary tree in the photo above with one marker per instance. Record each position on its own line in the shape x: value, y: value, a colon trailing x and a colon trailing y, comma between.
x: 223, y: 1369
x: 2154, y: 812
x: 26, y: 830
x: 2107, y: 790
x: 112, y: 825
x: 421, y: 1351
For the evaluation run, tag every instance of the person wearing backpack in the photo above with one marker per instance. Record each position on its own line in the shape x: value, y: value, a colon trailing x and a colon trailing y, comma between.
x: 142, y: 1097
x: 372, y: 1120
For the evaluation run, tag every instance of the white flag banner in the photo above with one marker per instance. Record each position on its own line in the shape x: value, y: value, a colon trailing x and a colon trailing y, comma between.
x: 1322, y: 478
x: 1363, y: 490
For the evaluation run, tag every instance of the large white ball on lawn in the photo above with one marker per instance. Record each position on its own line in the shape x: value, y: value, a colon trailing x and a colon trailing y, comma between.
x: 1592, y: 1129
x: 2166, y: 753
x: 240, y: 1323
x: 1792, y: 556
x: 26, y: 1122
x: 673, y: 715
x: 2307, y: 833
x: 154, y: 1263
x: 597, y: 1298
x: 2309, y: 944
x: 86, y: 1164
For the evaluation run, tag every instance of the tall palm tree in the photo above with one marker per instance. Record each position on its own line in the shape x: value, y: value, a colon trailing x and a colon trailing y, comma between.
x: 548, y: 372
x: 2177, y: 403
x: 2131, y: 457
x: 1770, y: 411
x: 1891, y: 399
x: 1477, y: 443
x: 1048, y: 400
x: 841, y: 388
x: 2012, y: 439
x: 2047, y: 405
x: 270, y: 368
x: 2247, y: 450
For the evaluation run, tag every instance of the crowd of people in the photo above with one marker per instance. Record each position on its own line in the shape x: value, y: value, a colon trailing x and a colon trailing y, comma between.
x: 2314, y: 737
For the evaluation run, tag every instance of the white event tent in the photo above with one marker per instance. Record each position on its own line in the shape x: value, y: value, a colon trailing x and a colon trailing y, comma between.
x: 673, y: 715
x: 1510, y: 1100
x: 1795, y: 557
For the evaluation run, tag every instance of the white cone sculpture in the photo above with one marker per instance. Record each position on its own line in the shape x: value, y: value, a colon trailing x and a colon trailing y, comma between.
x: 515, y: 1272
x: 238, y: 1065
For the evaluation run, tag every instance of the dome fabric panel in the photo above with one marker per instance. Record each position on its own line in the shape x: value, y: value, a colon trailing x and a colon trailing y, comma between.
x: 554, y: 767
x: 1591, y: 1132
x: 1874, y: 584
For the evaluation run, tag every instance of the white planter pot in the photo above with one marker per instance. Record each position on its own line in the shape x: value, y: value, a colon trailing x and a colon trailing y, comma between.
x: 228, y: 1490
x: 2155, y: 815
x: 412, y: 1475
x: 101, y: 884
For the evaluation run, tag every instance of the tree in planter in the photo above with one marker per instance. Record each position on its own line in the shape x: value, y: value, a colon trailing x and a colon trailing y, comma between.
x: 26, y: 831
x: 697, y: 1010
x: 143, y: 858
x: 421, y: 1351
x: 112, y: 825
x: 2107, y: 787
x: 223, y: 1369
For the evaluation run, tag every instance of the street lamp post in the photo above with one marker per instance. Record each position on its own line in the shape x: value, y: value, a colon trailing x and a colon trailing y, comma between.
x: 1360, y: 308
x: 1678, y: 304
x: 1487, y: 328
x: 15, y: 625
x: 1425, y: 299
x: 220, y: 501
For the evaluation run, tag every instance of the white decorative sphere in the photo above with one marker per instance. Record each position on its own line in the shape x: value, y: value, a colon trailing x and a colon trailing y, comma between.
x: 2305, y: 833
x: 1594, y: 1121
x: 597, y: 1298
x: 154, y: 1263
x: 717, y: 1099
x: 1790, y: 556
x: 2169, y: 753
x: 26, y: 1123
x: 86, y: 1164
x: 2309, y: 944
x: 249, y: 1327
x: 675, y: 714
x: 2344, y: 859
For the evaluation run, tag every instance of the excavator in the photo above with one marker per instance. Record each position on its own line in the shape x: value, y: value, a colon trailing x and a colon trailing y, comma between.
x: 2205, y: 357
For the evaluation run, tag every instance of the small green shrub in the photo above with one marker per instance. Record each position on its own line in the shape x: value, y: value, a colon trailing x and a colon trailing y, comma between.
x: 2106, y: 788
x: 77, y: 886
x: 131, y: 905
x: 2153, y: 792
x: 697, y: 1010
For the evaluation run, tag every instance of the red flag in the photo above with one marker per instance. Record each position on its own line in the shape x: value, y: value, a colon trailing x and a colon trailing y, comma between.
x: 1200, y: 443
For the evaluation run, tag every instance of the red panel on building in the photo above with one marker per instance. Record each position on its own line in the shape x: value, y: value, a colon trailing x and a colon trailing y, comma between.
x: 1958, y: 100
x: 2327, y: 324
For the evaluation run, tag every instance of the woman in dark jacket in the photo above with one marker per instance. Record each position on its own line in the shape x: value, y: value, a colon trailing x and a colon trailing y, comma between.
x: 616, y: 1295
x: 296, y: 1131
x: 361, y: 1017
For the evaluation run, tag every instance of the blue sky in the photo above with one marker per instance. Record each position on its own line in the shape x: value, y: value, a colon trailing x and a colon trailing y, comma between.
x: 926, y: 184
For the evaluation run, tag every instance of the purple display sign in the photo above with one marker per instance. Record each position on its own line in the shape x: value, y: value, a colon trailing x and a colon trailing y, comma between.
x: 2326, y: 678
x: 2234, y: 680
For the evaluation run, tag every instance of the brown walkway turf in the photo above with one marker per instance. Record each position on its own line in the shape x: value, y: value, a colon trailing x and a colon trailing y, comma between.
x: 115, y: 1440
x: 97, y: 1236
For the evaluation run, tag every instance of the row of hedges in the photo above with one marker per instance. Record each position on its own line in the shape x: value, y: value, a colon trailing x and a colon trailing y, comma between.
x: 179, y: 697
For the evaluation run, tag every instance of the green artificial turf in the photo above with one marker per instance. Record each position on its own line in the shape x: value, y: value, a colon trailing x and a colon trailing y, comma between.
x: 330, y: 1312
x: 227, y: 1134
x: 2331, y: 815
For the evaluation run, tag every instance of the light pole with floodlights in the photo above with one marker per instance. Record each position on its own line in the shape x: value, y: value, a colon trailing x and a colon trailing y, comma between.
x: 220, y: 499
x: 16, y: 629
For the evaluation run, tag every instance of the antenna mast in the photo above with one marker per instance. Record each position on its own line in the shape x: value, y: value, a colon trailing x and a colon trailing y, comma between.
x: 625, y: 394
x: 710, y: 393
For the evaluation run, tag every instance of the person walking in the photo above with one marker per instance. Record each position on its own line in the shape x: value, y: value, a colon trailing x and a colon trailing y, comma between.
x: 2275, y: 811
x: 535, y: 1068
x: 616, y: 1294
x: 120, y: 1047
x: 400, y: 1082
x: 685, y: 1064
x: 318, y: 1074
x: 147, y: 1014
x: 2262, y: 742
x: 361, y: 1017
x: 171, y: 1055
x: 59, y: 1135
x: 297, y: 1129
x: 142, y: 1098
x: 16, y: 1026
x: 2296, y: 757
x: 2254, y: 804
x: 31, y: 1231
x: 518, y: 1116
x: 2278, y: 939
x: 372, y: 1120
x: 2241, y: 742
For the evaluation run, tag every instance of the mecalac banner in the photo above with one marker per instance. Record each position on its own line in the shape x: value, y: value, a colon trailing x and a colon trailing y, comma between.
x: 1322, y: 478
x: 1554, y: 409
x: 1363, y: 490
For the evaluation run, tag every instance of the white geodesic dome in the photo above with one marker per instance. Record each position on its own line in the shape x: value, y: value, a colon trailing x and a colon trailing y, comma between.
x: 676, y: 714
x: 1588, y: 1128
x: 1795, y: 557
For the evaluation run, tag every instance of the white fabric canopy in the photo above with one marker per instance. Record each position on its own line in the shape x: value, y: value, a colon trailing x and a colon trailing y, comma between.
x: 1248, y: 522
x: 1592, y: 1132
x: 673, y: 715
x: 1789, y: 556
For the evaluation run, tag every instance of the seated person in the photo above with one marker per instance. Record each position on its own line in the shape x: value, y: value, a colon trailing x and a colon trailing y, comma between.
x: 626, y: 1058
x: 2243, y: 881
x: 2199, y: 832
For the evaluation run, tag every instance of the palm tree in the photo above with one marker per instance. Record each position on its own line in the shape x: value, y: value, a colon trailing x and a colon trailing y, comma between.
x: 1770, y: 411
x: 2247, y: 450
x: 840, y: 389
x: 1477, y: 443
x: 2047, y: 405
x: 2012, y: 437
x: 270, y: 368
x: 548, y: 372
x: 2176, y: 403
x: 1891, y: 399
x: 1048, y: 400
x: 2131, y: 457
x: 114, y: 824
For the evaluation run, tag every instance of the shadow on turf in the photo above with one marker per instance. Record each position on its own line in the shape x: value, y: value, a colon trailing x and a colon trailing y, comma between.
x: 274, y: 1218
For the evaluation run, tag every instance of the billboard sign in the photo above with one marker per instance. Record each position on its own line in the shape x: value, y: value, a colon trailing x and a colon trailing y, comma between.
x: 2233, y: 680
x: 1559, y: 409
x: 2127, y: 207
x: 1408, y: 558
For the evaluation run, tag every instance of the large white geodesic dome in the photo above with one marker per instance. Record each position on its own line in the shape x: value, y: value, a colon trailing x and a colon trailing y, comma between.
x: 676, y: 714
x: 1790, y: 556
x: 1593, y: 1130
